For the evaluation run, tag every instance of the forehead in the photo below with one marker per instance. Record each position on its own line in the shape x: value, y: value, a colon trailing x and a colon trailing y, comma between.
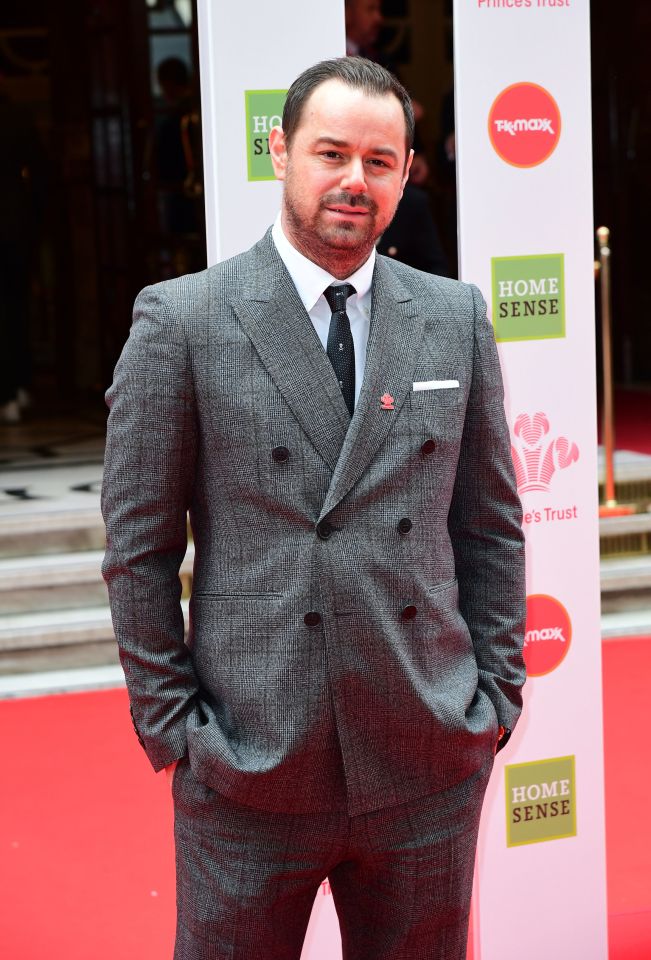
x: 334, y: 106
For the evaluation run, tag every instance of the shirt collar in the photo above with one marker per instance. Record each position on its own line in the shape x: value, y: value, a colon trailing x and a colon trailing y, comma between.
x: 309, y: 278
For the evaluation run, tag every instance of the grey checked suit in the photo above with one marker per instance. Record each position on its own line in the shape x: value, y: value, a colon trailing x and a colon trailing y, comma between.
x: 337, y: 657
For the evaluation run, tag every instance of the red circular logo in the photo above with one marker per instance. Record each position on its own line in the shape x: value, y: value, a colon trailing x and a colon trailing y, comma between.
x: 548, y: 636
x: 524, y: 124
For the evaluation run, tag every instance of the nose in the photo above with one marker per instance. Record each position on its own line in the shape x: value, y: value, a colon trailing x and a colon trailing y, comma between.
x: 353, y: 179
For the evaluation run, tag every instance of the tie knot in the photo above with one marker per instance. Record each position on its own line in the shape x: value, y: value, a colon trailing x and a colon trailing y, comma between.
x: 337, y: 296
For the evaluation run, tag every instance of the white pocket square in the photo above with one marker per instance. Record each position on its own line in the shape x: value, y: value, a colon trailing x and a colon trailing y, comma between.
x: 435, y: 385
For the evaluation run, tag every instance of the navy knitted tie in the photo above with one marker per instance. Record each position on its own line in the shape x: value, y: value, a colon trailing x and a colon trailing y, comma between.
x: 341, y: 351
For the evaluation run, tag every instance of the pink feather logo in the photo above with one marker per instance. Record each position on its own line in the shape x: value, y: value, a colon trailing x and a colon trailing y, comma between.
x: 536, y: 455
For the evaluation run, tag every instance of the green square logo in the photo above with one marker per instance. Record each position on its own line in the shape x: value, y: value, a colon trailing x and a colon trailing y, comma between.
x: 529, y: 297
x: 264, y: 110
x: 540, y: 801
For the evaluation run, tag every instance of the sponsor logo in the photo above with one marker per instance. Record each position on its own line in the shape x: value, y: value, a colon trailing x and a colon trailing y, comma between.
x: 528, y: 297
x: 524, y: 124
x: 548, y: 634
x: 264, y: 110
x: 538, y: 456
x: 526, y: 4
x: 540, y: 801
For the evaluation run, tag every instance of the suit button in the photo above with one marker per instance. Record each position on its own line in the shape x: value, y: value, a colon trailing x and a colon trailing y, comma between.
x: 312, y: 619
x: 428, y: 447
x: 404, y: 525
x: 280, y: 454
x: 323, y: 530
x: 409, y: 613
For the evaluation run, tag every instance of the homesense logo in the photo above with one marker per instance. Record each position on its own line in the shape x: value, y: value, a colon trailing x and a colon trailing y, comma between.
x: 264, y: 110
x: 524, y: 124
x: 540, y: 801
x: 528, y: 297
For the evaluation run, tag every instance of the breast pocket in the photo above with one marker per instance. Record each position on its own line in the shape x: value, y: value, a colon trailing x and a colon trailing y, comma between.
x: 441, y: 411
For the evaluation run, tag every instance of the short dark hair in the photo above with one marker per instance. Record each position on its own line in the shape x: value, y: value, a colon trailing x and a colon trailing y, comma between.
x: 356, y: 72
x: 172, y: 70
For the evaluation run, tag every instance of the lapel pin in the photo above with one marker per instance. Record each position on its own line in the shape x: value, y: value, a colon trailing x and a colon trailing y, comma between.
x: 386, y: 402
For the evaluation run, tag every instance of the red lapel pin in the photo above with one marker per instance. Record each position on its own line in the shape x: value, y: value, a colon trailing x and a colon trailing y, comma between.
x: 386, y: 402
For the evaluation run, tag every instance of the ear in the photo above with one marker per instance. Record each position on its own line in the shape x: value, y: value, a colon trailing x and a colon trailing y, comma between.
x: 405, y: 175
x: 278, y: 152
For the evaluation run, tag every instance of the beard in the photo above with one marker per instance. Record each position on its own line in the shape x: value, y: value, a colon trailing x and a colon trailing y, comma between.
x: 321, y: 240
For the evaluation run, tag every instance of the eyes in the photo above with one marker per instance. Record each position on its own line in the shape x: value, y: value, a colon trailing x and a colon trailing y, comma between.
x: 334, y: 156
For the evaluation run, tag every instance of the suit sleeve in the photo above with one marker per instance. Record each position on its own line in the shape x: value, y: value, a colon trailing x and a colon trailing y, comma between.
x: 485, y: 524
x: 148, y: 481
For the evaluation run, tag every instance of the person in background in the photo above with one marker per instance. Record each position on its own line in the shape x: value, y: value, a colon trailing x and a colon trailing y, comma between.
x: 412, y: 237
x: 22, y: 188
x: 178, y: 149
x: 363, y: 24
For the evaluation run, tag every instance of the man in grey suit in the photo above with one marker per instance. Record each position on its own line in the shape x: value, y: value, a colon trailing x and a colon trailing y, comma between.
x: 333, y: 422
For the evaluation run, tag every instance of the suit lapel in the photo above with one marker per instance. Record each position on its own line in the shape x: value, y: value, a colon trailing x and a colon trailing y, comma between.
x: 393, y: 348
x: 281, y: 331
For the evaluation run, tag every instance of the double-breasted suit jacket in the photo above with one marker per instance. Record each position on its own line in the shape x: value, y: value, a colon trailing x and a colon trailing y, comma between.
x: 357, y: 608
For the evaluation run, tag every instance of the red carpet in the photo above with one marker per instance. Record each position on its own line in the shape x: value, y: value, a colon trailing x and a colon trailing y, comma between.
x: 627, y: 676
x: 86, y: 870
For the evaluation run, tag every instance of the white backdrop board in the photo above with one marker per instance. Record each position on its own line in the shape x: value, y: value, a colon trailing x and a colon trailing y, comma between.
x: 525, y: 214
x: 249, y: 55
x: 522, y: 93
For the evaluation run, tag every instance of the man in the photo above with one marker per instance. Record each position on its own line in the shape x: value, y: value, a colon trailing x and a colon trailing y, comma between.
x: 333, y: 422
x: 363, y: 23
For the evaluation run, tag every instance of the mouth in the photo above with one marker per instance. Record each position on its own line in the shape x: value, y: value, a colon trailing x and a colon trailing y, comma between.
x: 348, y: 211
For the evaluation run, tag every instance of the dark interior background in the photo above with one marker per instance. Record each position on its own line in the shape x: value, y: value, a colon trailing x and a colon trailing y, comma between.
x: 79, y: 90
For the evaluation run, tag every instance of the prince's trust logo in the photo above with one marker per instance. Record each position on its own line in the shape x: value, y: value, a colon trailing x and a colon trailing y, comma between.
x: 540, y: 801
x: 529, y: 297
x: 538, y: 457
x: 264, y: 110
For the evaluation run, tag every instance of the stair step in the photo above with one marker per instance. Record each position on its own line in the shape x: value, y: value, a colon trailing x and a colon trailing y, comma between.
x: 626, y: 623
x: 625, y: 526
x: 625, y: 585
x: 625, y: 573
x: 29, y: 533
x: 58, y: 628
x: 35, y: 684
x: 58, y: 581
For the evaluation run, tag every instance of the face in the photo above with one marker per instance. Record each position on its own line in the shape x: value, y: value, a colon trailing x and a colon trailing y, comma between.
x: 363, y: 21
x: 344, y: 173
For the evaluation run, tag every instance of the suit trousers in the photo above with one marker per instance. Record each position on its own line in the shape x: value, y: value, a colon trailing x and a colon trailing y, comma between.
x: 401, y: 877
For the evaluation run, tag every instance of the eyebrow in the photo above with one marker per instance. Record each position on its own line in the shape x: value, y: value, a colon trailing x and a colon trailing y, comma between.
x: 333, y: 142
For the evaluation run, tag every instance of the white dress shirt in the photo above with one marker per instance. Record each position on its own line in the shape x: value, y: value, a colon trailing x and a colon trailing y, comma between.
x: 311, y: 280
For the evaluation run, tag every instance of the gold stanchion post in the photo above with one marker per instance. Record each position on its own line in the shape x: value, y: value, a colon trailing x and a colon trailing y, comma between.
x: 603, y: 236
x: 610, y: 507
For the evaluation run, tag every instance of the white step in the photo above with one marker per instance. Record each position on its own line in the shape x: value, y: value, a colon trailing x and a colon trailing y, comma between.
x: 58, y: 628
x: 626, y: 623
x: 625, y: 573
x: 61, y: 681
x: 32, y: 684
x: 636, y: 523
x: 58, y: 581
x: 27, y: 532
